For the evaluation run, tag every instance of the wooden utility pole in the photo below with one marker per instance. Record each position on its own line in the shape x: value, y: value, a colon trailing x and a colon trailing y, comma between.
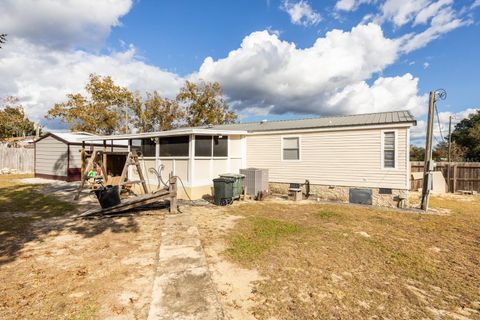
x: 428, y: 167
x: 449, y: 157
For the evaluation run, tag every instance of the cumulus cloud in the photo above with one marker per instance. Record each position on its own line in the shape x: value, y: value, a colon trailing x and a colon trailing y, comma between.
x: 326, y: 78
x: 40, y: 76
x: 417, y: 134
x: 350, y: 5
x: 59, y: 23
x: 301, y: 13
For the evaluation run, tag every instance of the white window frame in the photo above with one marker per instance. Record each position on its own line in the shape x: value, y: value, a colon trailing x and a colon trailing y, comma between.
x: 299, y: 148
x: 382, y: 143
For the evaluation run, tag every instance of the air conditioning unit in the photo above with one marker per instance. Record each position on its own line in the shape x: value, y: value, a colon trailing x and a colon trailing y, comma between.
x: 256, y: 180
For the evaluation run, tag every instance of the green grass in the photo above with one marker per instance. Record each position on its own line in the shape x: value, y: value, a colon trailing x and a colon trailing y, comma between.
x: 260, y: 235
x: 88, y: 312
x: 325, y: 214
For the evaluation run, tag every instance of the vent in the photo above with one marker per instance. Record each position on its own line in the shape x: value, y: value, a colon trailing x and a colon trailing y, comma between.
x: 385, y: 191
x: 360, y: 196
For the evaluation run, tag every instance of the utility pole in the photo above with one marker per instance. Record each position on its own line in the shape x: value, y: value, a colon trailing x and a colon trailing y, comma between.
x: 449, y: 157
x: 428, y: 167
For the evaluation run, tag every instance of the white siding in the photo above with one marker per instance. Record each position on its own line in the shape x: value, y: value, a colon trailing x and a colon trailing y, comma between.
x: 341, y: 158
x: 51, y: 157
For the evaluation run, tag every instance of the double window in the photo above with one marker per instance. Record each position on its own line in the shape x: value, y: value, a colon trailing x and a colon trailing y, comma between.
x: 211, y: 146
x: 389, y: 149
x: 291, y: 148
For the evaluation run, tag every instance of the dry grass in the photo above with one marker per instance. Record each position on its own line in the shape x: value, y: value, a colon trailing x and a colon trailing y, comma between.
x: 352, y: 262
x: 55, y: 267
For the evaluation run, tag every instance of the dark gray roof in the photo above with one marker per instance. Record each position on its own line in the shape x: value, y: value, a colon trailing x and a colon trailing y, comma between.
x: 324, y: 122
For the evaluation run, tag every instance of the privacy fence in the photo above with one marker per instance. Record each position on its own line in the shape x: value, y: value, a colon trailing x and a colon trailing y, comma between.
x: 459, y: 175
x: 20, y: 159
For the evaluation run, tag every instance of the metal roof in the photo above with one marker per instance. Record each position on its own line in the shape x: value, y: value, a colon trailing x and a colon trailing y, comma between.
x: 168, y: 133
x: 367, y: 119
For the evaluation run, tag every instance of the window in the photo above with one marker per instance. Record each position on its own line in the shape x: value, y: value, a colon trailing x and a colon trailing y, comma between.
x: 208, y: 146
x: 291, y: 148
x: 389, y: 149
x: 203, y: 146
x: 145, y: 146
x: 220, y: 146
x: 174, y: 146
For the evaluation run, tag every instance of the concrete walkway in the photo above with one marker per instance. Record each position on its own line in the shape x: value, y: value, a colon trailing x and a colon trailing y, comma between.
x: 183, y: 288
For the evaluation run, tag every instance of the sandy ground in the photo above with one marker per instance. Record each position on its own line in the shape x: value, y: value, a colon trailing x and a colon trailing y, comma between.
x: 69, y: 268
x: 235, y: 285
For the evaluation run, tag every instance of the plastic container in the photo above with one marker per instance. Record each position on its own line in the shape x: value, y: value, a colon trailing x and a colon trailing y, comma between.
x: 108, y: 196
x: 238, y: 183
x: 223, y: 191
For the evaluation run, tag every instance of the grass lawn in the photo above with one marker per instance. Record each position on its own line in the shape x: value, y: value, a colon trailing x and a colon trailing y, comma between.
x: 20, y: 206
x: 352, y: 262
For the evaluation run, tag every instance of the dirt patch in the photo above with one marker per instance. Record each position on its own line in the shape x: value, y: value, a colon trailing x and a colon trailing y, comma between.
x: 236, y: 286
x: 53, y: 266
x: 93, y: 269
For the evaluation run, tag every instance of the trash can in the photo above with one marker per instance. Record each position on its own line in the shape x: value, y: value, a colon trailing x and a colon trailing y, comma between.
x: 108, y: 196
x: 223, y: 191
x: 238, y: 183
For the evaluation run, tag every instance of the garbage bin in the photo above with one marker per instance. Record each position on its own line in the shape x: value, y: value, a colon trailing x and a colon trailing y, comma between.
x: 108, y: 196
x: 238, y: 183
x: 223, y: 191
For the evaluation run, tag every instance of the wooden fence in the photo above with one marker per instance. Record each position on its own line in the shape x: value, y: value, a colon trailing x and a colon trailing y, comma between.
x: 459, y: 175
x: 20, y: 159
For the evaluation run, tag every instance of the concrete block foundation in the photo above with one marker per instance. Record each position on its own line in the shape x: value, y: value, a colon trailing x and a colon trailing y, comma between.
x: 341, y: 194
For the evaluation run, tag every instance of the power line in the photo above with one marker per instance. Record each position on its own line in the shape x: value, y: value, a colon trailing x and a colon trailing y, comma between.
x: 438, y: 121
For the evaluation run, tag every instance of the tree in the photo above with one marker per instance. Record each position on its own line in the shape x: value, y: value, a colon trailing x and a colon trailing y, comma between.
x: 156, y: 113
x: 467, y: 135
x: 13, y: 120
x: 417, y: 153
x: 440, y: 152
x: 3, y: 39
x: 102, y: 111
x: 204, y: 104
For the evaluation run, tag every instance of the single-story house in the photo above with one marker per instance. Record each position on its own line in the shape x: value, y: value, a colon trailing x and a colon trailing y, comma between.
x: 57, y: 155
x: 339, y: 156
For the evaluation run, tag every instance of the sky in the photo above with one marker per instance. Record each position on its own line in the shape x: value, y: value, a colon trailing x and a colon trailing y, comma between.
x: 275, y: 59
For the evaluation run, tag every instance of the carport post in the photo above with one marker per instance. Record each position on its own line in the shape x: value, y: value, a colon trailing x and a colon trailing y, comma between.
x: 104, y: 157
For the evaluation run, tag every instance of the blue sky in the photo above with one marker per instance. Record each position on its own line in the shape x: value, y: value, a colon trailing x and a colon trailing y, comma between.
x: 275, y: 59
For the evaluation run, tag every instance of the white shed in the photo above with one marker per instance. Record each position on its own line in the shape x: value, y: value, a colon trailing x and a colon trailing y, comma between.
x: 57, y: 155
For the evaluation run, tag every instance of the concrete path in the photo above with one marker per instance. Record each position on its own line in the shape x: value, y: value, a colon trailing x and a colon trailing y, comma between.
x: 183, y: 288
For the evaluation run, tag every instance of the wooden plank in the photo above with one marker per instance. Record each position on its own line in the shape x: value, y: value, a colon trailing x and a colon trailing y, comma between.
x: 131, y: 203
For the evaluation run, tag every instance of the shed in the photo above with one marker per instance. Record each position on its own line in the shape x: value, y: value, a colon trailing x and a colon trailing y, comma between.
x: 57, y: 155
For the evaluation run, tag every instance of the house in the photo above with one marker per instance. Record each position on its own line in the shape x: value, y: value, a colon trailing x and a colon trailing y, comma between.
x: 57, y: 155
x: 340, y: 157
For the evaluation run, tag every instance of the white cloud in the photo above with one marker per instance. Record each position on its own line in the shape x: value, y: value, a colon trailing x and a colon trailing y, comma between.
x: 62, y: 23
x: 444, y: 21
x: 350, y: 5
x: 41, y: 76
x: 327, y: 78
x: 417, y: 134
x: 301, y: 13
x: 426, y: 65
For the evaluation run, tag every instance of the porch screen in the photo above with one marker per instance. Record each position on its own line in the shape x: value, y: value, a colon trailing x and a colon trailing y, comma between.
x: 174, y: 146
x: 203, y: 146
x: 145, y: 146
x: 220, y: 146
